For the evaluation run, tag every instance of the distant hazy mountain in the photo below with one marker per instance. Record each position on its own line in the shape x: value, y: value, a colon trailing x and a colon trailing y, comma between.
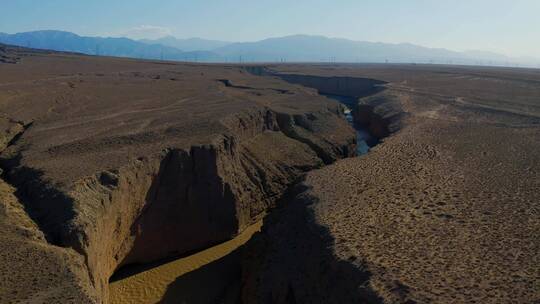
x: 320, y: 48
x: 298, y: 48
x: 486, y: 55
x: 120, y: 47
x: 188, y: 45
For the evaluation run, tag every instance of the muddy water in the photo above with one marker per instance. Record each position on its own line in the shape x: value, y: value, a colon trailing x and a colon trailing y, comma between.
x: 363, y: 138
x: 198, y: 278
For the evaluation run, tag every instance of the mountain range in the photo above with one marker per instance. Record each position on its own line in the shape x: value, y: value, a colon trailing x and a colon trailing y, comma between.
x: 188, y: 45
x: 119, y: 47
x: 296, y: 48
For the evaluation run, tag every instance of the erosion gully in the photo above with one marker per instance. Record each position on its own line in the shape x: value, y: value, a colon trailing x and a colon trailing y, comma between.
x: 214, y: 273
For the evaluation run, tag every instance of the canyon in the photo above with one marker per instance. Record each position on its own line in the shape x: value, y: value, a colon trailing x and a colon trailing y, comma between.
x: 112, y: 163
x: 442, y: 211
x: 119, y: 167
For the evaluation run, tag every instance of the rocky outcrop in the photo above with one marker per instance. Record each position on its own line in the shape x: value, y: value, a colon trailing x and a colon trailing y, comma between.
x: 183, y: 199
x: 381, y: 113
x: 375, y: 110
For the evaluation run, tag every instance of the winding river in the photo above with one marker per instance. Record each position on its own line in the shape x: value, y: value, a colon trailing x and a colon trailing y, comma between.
x: 364, y: 139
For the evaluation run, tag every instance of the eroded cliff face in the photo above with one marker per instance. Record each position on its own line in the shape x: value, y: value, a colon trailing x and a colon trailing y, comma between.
x: 184, y: 199
x: 291, y: 260
x: 345, y: 86
x: 375, y: 109
x: 381, y: 113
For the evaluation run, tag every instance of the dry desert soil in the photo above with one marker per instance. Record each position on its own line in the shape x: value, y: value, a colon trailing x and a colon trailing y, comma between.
x: 134, y: 181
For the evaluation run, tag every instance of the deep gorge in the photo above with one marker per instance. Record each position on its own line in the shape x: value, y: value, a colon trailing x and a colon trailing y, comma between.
x: 231, y: 264
x: 227, y: 184
x: 185, y: 199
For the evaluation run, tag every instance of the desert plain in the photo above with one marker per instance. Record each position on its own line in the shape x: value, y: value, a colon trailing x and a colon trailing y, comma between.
x: 111, y: 163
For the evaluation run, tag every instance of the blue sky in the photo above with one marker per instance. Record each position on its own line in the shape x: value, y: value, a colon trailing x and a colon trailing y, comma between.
x: 511, y: 27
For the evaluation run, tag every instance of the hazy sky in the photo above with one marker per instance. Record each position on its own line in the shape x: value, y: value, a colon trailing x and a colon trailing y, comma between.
x: 511, y: 27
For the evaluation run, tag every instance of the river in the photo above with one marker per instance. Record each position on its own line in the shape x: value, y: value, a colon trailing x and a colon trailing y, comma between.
x: 365, y: 141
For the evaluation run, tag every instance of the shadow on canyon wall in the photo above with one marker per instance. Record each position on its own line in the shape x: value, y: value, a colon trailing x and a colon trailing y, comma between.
x: 49, y: 208
x: 292, y: 261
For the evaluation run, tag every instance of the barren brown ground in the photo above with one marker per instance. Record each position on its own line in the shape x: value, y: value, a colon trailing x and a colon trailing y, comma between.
x: 109, y: 161
x: 445, y: 210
